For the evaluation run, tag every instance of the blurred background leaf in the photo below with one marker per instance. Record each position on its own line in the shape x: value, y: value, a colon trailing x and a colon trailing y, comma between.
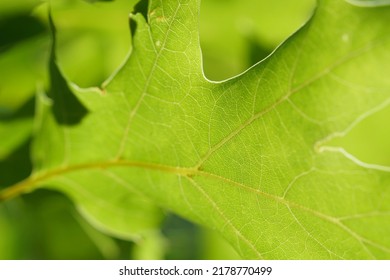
x: 93, y: 41
x: 237, y: 34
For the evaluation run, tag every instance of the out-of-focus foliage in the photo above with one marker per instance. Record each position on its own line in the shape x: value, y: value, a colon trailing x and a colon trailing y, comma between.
x: 237, y: 34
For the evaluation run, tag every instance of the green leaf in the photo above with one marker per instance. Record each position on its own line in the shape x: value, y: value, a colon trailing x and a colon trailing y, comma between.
x: 245, y: 32
x: 247, y: 157
x: 369, y: 3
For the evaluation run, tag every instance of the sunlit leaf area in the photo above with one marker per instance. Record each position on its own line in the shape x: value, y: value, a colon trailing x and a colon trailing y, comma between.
x: 180, y: 129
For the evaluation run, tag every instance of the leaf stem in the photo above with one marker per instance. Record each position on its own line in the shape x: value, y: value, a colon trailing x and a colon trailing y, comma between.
x: 17, y: 189
x: 30, y: 183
